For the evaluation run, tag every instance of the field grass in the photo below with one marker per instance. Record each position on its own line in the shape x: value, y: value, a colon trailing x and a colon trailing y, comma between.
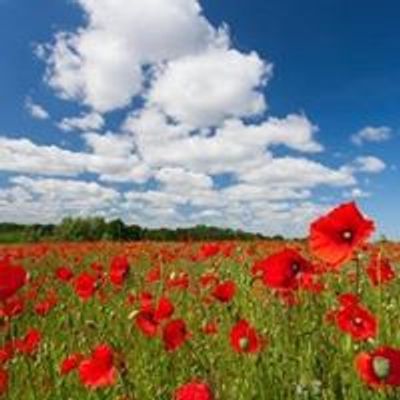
x: 303, y: 355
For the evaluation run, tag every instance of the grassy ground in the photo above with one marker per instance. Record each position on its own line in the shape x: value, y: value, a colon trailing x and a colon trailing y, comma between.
x: 304, y: 357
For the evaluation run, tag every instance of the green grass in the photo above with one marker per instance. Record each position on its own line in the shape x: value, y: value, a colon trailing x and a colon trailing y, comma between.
x: 305, y: 358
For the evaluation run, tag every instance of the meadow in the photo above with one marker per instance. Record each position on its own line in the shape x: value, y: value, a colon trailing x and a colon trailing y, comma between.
x: 316, y: 319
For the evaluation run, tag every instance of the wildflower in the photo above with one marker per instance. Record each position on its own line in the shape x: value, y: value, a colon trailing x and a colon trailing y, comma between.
x: 335, y: 236
x: 98, y: 371
x: 194, y: 390
x: 380, y: 367
x: 12, y: 278
x: 85, y: 286
x: 282, y: 270
x: 225, y: 291
x: 175, y: 334
x: 244, y: 338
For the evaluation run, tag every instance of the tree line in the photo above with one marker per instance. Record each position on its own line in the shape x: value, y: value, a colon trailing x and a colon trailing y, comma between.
x: 97, y: 228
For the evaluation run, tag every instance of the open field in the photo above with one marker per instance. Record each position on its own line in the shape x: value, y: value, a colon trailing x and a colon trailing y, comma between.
x: 165, y: 315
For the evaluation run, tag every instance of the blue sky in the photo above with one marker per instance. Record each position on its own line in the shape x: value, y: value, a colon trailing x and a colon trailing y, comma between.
x: 259, y: 116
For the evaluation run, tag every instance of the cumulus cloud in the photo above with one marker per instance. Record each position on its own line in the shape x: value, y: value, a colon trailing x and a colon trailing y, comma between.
x: 22, y: 155
x: 85, y: 122
x: 230, y: 148
x: 103, y: 64
x: 27, y: 197
x: 36, y: 110
x: 372, y: 134
x: 194, y: 113
x: 369, y: 164
x: 203, y: 90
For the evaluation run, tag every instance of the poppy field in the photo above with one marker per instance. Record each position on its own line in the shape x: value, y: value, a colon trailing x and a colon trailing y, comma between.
x: 312, y: 319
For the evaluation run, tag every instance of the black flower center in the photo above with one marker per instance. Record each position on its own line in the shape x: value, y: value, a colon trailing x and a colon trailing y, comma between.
x: 295, y: 268
x: 347, y: 235
x: 357, y: 321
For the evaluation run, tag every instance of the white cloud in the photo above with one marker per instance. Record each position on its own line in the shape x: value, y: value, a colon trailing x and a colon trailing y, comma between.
x: 231, y: 148
x: 102, y: 64
x: 368, y: 164
x: 190, y: 97
x: 26, y: 199
x: 297, y: 173
x: 22, y: 155
x: 85, y: 122
x: 372, y: 134
x: 204, y: 89
x: 36, y: 110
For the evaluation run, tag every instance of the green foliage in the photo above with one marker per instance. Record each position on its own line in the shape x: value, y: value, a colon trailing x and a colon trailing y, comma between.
x: 97, y: 228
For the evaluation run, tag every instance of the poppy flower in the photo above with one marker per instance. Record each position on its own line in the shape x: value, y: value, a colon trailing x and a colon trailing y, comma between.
x: 380, y: 271
x: 194, y: 390
x: 30, y: 343
x: 164, y: 309
x: 70, y: 363
x: 6, y: 352
x: 147, y: 323
x: 244, y: 338
x: 12, y: 278
x: 334, y: 237
x: 210, y: 328
x: 119, y: 270
x: 85, y: 285
x: 208, y: 279
x: 208, y: 250
x: 180, y: 281
x: 225, y: 291
x: 282, y: 270
x: 13, y: 307
x: 64, y: 274
x: 3, y: 381
x: 175, y: 334
x: 380, y: 367
x: 153, y: 275
x: 98, y: 371
x: 354, y: 319
x: 44, y: 307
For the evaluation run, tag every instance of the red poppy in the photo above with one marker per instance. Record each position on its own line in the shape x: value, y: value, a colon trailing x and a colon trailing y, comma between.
x: 175, y: 334
x: 30, y: 343
x: 194, y: 390
x: 13, y: 307
x: 85, y: 285
x: 44, y: 307
x: 282, y: 270
x: 244, y: 338
x: 354, y: 319
x: 225, y: 291
x: 64, y: 274
x: 98, y: 370
x: 146, y: 301
x: 180, y: 281
x: 3, y: 381
x: 210, y: 328
x: 164, y: 309
x: 153, y: 275
x: 380, y: 367
x: 70, y: 363
x: 380, y: 271
x: 208, y: 279
x: 208, y: 250
x: 119, y: 270
x: 12, y: 278
x: 147, y: 323
x: 6, y: 352
x: 335, y: 236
